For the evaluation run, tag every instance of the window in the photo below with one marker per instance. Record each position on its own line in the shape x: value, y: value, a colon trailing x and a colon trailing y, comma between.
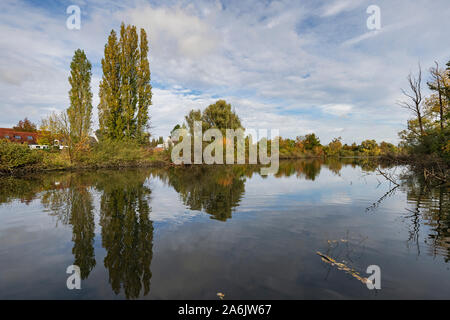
x: 18, y: 137
x: 30, y: 138
x: 6, y: 136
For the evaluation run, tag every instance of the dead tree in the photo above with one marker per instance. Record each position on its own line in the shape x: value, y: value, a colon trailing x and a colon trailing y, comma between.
x: 414, y: 95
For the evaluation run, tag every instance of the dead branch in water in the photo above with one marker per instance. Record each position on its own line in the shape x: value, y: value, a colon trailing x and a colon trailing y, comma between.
x: 343, y: 267
x: 387, y: 177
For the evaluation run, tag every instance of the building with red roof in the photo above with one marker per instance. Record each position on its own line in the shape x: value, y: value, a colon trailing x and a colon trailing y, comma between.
x: 18, y: 136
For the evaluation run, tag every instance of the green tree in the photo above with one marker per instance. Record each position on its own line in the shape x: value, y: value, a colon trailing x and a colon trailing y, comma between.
x: 429, y: 133
x: 386, y: 148
x: 129, y: 57
x: 109, y: 109
x: 125, y: 90
x: 144, y: 87
x: 335, y: 146
x: 80, y: 95
x: 220, y: 115
x: 193, y: 115
x: 438, y: 85
x: 369, y: 147
x: 311, y: 141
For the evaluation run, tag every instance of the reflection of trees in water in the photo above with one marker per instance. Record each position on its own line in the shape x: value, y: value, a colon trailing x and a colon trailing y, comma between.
x: 127, y: 232
x: 306, y: 169
x: 430, y: 208
x: 71, y: 202
x: 216, y: 190
x: 366, y: 164
x: 309, y: 169
x: 334, y: 165
x: 24, y: 189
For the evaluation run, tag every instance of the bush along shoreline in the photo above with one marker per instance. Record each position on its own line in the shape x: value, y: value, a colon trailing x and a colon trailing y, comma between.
x: 19, y: 159
x: 432, y: 169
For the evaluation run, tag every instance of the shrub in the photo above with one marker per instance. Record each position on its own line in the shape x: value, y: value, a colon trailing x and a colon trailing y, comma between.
x: 14, y: 155
x: 117, y: 152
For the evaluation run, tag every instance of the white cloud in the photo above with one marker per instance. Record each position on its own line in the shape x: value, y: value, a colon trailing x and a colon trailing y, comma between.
x: 337, y: 109
x: 339, y: 6
x: 173, y: 31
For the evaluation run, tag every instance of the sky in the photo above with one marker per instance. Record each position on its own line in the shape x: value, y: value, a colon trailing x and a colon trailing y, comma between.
x: 296, y: 66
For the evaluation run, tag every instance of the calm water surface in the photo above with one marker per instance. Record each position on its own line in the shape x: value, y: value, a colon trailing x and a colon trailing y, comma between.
x: 191, y: 233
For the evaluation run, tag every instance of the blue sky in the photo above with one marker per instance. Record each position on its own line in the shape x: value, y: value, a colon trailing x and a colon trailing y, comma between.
x: 296, y: 66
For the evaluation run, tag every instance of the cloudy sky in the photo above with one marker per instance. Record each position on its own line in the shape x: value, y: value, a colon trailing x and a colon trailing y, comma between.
x: 297, y: 66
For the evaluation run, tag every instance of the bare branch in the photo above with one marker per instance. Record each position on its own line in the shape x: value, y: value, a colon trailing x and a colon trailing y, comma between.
x: 414, y: 97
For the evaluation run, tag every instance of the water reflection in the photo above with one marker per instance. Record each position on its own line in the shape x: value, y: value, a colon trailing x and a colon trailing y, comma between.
x: 127, y: 232
x: 121, y: 202
x: 69, y: 199
x: 428, y: 208
x: 217, y: 191
x: 126, y: 228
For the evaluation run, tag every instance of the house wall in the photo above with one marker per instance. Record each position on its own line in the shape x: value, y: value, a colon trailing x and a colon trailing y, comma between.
x: 18, y: 136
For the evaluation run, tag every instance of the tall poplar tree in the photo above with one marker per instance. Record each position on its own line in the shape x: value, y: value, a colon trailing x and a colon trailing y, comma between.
x: 128, y: 66
x: 125, y: 90
x: 144, y: 87
x: 80, y: 110
x: 109, y: 109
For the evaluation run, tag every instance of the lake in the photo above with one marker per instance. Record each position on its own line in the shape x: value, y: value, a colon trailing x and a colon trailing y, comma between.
x: 191, y: 233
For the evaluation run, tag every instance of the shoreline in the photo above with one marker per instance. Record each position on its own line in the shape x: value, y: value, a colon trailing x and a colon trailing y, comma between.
x: 433, y: 170
x: 39, y: 169
x: 33, y: 169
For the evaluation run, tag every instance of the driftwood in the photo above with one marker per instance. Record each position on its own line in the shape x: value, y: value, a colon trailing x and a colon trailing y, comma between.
x: 343, y: 267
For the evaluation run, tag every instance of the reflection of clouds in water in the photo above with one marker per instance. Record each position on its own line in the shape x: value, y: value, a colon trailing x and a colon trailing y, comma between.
x: 336, y: 198
x: 164, y: 208
x: 325, y: 189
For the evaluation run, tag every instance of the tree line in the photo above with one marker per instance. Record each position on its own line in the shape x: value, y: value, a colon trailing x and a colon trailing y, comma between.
x: 220, y: 115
